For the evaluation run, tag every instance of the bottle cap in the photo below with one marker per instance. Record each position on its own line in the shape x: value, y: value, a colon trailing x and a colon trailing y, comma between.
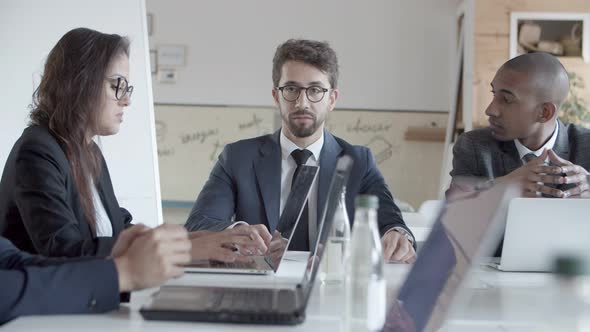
x: 569, y: 266
x: 367, y: 201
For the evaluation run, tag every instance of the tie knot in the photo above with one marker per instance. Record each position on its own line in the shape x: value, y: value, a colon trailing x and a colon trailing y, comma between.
x: 528, y: 157
x: 301, y: 156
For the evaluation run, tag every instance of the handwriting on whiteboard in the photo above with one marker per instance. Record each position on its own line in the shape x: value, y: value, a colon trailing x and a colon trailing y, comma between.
x: 213, y: 139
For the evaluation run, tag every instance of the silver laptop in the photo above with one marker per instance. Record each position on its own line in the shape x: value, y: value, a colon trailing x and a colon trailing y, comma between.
x: 267, y: 264
x: 539, y: 229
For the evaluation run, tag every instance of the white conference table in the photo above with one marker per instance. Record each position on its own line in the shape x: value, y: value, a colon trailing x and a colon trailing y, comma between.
x: 491, y: 301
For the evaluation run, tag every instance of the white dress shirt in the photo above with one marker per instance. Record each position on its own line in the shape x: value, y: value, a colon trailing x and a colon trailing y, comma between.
x: 523, y: 150
x: 103, y: 223
x: 288, y: 166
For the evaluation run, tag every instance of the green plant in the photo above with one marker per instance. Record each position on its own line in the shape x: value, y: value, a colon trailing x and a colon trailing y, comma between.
x: 575, y: 110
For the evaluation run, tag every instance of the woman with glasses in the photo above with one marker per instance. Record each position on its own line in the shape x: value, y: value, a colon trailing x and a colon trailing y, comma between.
x: 56, y: 196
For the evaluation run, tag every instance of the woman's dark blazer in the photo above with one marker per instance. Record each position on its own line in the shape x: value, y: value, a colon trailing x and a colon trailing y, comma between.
x: 40, y: 210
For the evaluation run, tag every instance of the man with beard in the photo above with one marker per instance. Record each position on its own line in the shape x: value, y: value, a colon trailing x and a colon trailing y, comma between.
x: 525, y: 141
x: 252, y: 178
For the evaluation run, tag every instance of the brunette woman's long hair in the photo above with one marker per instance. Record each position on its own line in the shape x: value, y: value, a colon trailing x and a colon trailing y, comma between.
x: 69, y: 99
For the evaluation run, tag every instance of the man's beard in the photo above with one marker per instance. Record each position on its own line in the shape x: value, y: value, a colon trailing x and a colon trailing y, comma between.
x: 303, y: 130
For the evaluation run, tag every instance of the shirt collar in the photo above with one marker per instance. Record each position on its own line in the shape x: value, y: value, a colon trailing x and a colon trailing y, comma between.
x: 287, y: 146
x: 523, y: 150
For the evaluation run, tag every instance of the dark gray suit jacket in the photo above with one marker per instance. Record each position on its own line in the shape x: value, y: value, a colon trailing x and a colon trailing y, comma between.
x: 476, y: 153
x: 245, y: 183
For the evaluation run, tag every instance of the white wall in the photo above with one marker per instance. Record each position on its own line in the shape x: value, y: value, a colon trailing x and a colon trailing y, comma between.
x: 28, y: 31
x: 394, y: 54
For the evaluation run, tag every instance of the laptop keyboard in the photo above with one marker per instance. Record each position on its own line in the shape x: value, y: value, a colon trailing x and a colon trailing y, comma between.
x: 250, y: 300
x: 234, y: 265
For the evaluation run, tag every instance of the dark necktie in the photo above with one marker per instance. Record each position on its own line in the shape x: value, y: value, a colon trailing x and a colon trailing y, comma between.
x: 300, y: 239
x: 528, y: 157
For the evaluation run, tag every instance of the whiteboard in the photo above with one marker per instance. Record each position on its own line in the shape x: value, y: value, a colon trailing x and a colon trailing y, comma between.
x: 28, y: 31
x: 410, y: 168
x: 190, y: 138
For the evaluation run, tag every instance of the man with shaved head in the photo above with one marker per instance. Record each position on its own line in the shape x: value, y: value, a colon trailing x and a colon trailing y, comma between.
x: 528, y: 92
x: 525, y: 141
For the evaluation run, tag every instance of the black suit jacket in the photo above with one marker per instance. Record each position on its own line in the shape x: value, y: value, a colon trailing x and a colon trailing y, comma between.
x: 478, y: 154
x: 40, y: 210
x: 245, y: 183
x: 33, y: 285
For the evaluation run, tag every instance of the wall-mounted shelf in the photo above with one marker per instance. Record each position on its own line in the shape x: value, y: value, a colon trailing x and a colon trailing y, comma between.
x: 431, y: 134
x: 565, y: 35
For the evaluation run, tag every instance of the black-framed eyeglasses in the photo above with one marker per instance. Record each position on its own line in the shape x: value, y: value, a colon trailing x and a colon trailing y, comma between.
x: 314, y: 93
x: 121, y: 87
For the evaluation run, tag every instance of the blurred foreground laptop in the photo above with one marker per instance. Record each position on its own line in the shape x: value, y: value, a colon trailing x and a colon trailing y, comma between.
x: 540, y: 229
x: 266, y: 264
x: 464, y: 231
x: 250, y: 305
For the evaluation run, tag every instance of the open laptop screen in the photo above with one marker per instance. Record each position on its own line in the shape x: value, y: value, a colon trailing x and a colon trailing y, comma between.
x: 463, y: 231
x: 535, y: 220
x: 294, y: 207
x: 339, y: 180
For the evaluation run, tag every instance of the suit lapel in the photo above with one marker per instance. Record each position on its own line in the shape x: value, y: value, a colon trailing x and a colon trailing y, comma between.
x: 510, y: 157
x: 562, y: 146
x: 328, y: 157
x: 268, y: 177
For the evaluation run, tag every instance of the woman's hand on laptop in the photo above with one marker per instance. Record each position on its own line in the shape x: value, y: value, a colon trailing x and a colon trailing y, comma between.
x: 225, y: 246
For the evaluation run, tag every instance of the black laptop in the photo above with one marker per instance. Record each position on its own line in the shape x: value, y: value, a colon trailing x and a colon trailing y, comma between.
x: 284, y: 306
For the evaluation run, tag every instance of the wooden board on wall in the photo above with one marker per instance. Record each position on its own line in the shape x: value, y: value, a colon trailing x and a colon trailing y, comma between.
x: 190, y: 138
